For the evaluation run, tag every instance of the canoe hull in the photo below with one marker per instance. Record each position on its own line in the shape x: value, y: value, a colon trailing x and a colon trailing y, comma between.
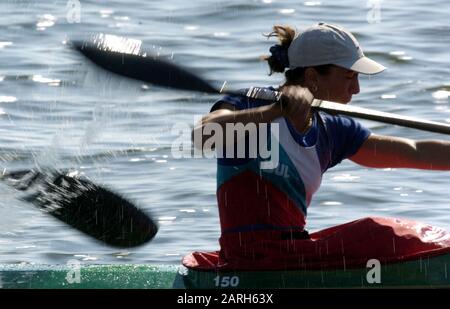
x: 431, y: 272
x: 87, y: 276
x: 428, y: 273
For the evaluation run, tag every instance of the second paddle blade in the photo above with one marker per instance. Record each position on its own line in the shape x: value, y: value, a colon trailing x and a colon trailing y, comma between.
x: 91, y: 209
x: 125, y: 57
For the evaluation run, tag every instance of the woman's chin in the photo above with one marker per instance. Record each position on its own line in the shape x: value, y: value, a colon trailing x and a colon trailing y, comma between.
x: 346, y: 100
x: 342, y: 100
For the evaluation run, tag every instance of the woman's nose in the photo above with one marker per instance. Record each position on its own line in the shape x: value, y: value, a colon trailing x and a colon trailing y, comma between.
x: 355, y: 86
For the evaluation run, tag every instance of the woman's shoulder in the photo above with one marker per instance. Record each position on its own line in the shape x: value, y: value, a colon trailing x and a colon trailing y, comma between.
x: 343, y: 128
x: 338, y: 121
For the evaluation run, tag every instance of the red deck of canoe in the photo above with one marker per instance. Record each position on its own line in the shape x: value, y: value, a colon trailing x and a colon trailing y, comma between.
x: 345, y: 246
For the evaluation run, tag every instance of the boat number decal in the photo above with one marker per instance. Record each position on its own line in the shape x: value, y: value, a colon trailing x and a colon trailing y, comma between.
x: 226, y: 281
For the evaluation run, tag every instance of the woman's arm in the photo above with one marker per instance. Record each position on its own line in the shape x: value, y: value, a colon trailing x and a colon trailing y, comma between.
x: 227, y: 114
x: 388, y: 151
x: 296, y: 105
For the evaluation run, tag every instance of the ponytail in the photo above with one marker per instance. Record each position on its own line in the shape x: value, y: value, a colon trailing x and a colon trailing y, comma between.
x: 278, y: 60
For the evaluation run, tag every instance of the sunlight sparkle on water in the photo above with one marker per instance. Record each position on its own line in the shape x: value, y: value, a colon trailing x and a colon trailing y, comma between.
x: 345, y: 177
x: 388, y: 96
x: 86, y: 257
x: 331, y: 203
x: 221, y: 34
x: 441, y: 95
x: 4, y: 44
x: 45, y: 21
x: 287, y: 11
x: 45, y: 80
x: 7, y: 99
x: 167, y: 218
x: 106, y: 13
x: 312, y: 3
x: 397, y: 53
x: 191, y: 28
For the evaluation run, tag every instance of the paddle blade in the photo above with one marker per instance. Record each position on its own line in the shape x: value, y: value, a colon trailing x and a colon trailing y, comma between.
x: 124, y: 57
x: 87, y: 207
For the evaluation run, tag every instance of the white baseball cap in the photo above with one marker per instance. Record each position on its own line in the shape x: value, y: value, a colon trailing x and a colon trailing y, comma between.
x: 329, y: 44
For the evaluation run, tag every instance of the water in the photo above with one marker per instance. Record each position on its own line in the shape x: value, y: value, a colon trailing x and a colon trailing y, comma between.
x: 55, y: 110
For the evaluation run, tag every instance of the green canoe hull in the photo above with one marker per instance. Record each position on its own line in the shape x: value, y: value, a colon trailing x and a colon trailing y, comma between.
x: 427, y: 273
x: 431, y: 272
x: 88, y: 276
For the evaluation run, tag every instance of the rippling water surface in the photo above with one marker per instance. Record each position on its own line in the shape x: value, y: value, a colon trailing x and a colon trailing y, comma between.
x: 56, y: 110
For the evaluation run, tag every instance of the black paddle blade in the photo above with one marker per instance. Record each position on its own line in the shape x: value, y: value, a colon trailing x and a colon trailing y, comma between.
x: 87, y: 207
x: 124, y: 57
